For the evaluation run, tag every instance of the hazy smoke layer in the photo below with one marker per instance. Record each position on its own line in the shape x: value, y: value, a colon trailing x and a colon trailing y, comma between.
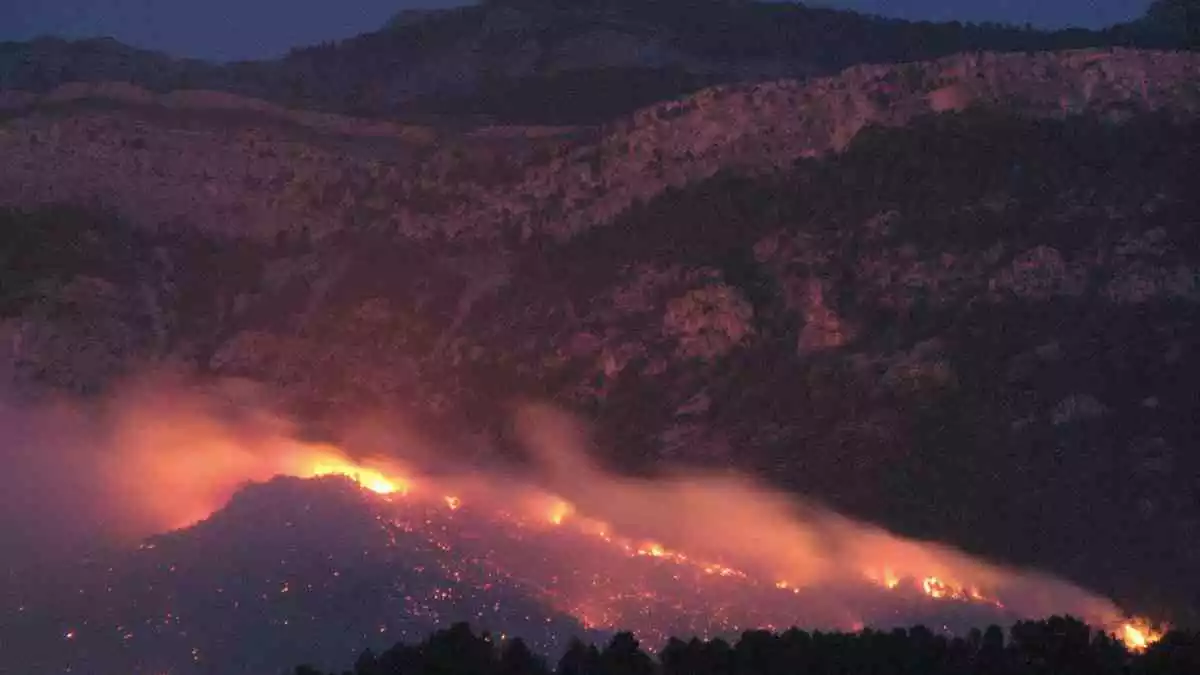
x: 166, y: 452
x: 732, y: 519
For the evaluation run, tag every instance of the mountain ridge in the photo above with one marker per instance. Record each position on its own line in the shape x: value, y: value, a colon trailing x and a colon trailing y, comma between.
x: 549, y: 63
x: 468, y: 191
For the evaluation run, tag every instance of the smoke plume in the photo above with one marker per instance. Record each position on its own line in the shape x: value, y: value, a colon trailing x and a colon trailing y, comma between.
x: 166, y: 451
x: 729, y: 517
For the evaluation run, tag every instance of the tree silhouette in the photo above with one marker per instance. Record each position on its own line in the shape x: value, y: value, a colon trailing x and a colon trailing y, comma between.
x: 1177, y: 653
x: 624, y: 656
x: 579, y: 659
x: 1178, y: 17
x: 1059, y: 645
x: 517, y: 659
x: 366, y: 664
x: 458, y: 651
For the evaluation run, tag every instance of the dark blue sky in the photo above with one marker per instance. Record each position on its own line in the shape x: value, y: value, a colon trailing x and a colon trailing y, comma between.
x: 227, y: 29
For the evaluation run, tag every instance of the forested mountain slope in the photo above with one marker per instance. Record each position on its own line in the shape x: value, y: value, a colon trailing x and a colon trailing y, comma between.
x: 979, y: 309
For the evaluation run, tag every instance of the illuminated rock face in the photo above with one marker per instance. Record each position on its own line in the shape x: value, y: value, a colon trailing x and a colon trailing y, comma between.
x: 243, y: 167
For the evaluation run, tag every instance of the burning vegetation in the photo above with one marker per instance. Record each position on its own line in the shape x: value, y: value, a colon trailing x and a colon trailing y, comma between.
x: 337, y: 549
x: 624, y: 611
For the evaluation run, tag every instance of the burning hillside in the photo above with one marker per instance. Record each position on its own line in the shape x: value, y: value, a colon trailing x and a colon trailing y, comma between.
x: 583, y: 567
x: 313, y: 569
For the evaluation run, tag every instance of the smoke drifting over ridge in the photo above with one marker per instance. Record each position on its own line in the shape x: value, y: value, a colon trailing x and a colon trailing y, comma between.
x: 731, y: 518
x: 165, y: 452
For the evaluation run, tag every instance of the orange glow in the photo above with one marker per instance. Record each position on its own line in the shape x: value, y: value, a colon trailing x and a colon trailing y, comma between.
x: 934, y: 588
x: 1137, y: 634
x: 389, y: 479
x: 371, y: 479
x: 655, y: 550
x: 559, y: 511
x: 888, y: 579
x: 173, y: 463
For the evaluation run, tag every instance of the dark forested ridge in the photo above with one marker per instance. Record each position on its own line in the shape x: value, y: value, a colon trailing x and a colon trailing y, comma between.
x: 563, y: 63
x: 1058, y: 646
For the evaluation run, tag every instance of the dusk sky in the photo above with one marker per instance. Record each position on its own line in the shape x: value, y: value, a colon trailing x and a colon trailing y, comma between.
x: 232, y: 29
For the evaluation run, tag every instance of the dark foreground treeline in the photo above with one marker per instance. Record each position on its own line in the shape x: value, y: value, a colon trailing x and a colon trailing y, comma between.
x: 1054, y: 646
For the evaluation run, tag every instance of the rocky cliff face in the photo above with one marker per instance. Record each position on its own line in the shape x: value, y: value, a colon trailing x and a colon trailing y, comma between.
x: 970, y: 281
x: 254, y: 170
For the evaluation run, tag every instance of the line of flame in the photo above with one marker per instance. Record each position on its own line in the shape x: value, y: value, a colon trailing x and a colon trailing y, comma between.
x: 1136, y: 633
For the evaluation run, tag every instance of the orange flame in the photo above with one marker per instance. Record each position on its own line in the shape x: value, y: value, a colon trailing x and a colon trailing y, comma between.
x: 559, y: 511
x: 174, y: 464
x: 389, y: 479
x: 371, y: 479
x: 1137, y: 634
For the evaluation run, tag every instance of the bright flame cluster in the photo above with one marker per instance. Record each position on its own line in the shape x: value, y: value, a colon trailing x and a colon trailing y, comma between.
x: 371, y: 479
x: 1138, y: 634
x: 1135, y: 633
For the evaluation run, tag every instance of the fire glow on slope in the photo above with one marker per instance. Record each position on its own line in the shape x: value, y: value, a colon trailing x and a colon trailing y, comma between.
x: 372, y: 479
x: 554, y: 511
x: 179, y: 455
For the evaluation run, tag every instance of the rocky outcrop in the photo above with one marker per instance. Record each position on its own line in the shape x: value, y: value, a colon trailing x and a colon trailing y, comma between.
x: 708, y: 322
x: 260, y: 177
x: 755, y: 127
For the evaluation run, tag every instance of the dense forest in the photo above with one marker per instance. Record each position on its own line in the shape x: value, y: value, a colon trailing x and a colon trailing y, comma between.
x: 1058, y: 646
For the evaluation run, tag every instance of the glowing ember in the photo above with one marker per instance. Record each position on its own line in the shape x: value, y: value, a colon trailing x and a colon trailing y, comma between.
x: 1137, y: 634
x: 890, y: 579
x: 530, y: 564
x: 682, y: 553
x: 718, y: 529
x: 559, y: 512
x: 371, y: 479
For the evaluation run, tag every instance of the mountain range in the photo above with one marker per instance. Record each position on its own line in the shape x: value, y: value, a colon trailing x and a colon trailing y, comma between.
x: 550, y: 62
x: 955, y: 295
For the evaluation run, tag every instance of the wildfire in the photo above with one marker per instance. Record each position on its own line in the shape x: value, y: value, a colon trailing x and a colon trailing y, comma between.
x: 1137, y: 634
x: 724, y: 541
x: 390, y: 480
x: 888, y: 579
x: 559, y: 511
x: 371, y: 479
